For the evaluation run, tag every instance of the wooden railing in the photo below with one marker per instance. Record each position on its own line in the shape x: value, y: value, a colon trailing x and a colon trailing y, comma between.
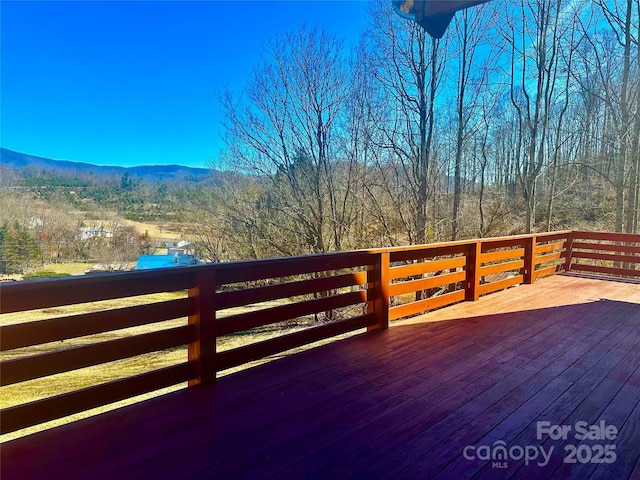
x: 340, y: 292
x: 605, y: 253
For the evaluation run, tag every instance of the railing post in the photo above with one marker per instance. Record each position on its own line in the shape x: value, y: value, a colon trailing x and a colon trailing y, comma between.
x: 529, y: 260
x: 472, y: 281
x: 378, y: 283
x: 203, y: 351
x: 567, y: 252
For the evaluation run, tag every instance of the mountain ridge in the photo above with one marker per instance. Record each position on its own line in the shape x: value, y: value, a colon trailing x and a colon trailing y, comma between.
x: 22, y: 163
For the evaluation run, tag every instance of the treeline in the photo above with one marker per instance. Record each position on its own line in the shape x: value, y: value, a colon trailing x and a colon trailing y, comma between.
x: 131, y: 197
x: 524, y: 117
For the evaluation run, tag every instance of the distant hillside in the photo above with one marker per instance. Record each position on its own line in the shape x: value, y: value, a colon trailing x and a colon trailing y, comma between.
x: 23, y: 164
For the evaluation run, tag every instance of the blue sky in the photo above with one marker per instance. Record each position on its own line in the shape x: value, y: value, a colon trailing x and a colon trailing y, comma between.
x: 132, y: 83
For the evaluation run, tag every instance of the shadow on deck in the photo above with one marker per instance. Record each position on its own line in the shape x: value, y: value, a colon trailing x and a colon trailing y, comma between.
x: 419, y: 400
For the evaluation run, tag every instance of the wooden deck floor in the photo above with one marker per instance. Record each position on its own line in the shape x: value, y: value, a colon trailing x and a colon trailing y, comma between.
x: 401, y: 404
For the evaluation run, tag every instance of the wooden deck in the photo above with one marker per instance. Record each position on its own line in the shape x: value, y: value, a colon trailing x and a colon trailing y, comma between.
x: 398, y: 403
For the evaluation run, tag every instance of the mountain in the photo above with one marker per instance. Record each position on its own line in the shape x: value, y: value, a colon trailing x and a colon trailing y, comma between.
x: 24, y: 165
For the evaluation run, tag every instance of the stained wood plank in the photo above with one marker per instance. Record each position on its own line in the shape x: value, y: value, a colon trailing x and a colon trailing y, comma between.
x: 607, y: 247
x: 248, y: 353
x: 36, y: 366
x: 202, y: 350
x: 549, y: 247
x: 248, y: 296
x: 606, y: 270
x: 378, y: 297
x: 445, y: 436
x: 583, y: 377
x: 473, y: 278
x: 429, y: 251
x: 607, y: 236
x: 420, y: 306
x: 251, y: 270
x: 607, y: 257
x: 502, y: 255
x: 428, y: 406
x: 551, y: 236
x: 427, y: 267
x: 63, y: 328
x: 493, y: 243
x: 500, y: 284
x: 21, y: 416
x: 426, y: 283
x: 549, y: 257
x: 266, y: 316
x: 501, y: 267
x: 19, y: 296
x: 545, y: 272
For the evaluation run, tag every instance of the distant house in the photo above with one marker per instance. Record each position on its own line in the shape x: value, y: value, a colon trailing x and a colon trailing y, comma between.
x: 148, y: 262
x: 94, y: 232
x: 183, y: 247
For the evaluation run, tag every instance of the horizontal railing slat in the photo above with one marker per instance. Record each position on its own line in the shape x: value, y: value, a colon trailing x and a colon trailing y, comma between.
x: 51, y: 363
x: 501, y: 255
x: 501, y: 267
x: 425, y: 305
x: 63, y: 328
x: 549, y: 257
x: 549, y: 247
x: 426, y: 252
x: 40, y: 411
x: 552, y: 236
x: 491, y: 244
x: 607, y: 247
x: 252, y: 270
x: 34, y: 294
x: 543, y: 272
x: 607, y: 257
x: 608, y: 236
x: 425, y: 283
x: 248, y: 296
x: 256, y: 351
x: 267, y: 316
x: 606, y: 270
x: 427, y: 267
x: 500, y: 284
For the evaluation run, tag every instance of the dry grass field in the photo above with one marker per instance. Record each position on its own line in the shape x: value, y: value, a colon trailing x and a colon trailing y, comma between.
x: 157, y: 230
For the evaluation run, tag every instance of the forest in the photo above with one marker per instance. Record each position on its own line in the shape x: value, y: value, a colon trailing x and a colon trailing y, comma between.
x: 524, y: 117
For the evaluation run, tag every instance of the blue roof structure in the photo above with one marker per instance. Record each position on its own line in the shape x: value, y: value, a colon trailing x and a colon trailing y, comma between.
x: 149, y: 262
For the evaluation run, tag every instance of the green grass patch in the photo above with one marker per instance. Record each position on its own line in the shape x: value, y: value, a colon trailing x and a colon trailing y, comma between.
x: 44, y: 274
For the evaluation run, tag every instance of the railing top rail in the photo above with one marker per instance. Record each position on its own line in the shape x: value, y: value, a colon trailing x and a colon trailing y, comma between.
x: 608, y: 236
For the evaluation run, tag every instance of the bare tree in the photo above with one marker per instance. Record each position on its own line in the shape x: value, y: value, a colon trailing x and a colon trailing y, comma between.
x: 476, y: 65
x: 623, y: 18
x: 536, y: 32
x: 406, y: 65
x: 286, y: 131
